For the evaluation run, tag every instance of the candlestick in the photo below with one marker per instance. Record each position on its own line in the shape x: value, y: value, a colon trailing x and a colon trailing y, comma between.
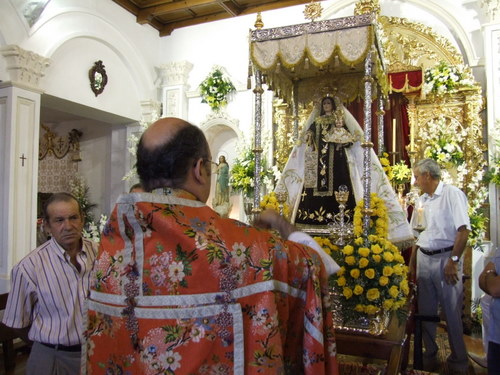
x: 394, y: 135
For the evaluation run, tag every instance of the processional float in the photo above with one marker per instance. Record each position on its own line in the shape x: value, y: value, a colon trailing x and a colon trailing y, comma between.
x: 298, y: 61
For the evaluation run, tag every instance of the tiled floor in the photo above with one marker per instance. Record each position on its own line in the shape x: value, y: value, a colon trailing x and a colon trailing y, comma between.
x: 474, y: 346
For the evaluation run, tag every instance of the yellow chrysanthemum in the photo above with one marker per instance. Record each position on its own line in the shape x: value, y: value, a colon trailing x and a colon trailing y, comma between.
x: 388, y: 257
x: 387, y: 271
x: 341, y: 281
x: 363, y: 262
x: 373, y: 294
x: 341, y: 271
x: 383, y: 281
x: 348, y: 250
x: 355, y: 273
x: 393, y: 291
x: 347, y: 292
x: 376, y: 249
x: 398, y: 269
x: 388, y: 304
x: 370, y: 273
x: 350, y: 260
x: 371, y: 309
x: 358, y: 289
x: 363, y: 251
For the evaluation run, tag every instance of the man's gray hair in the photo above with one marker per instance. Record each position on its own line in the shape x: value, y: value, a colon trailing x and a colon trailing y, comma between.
x: 429, y: 166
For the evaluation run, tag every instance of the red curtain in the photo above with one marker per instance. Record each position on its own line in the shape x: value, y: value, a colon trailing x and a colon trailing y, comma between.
x: 398, y: 111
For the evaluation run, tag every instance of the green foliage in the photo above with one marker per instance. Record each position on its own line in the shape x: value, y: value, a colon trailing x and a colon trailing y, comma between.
x: 243, y: 172
x: 215, y: 89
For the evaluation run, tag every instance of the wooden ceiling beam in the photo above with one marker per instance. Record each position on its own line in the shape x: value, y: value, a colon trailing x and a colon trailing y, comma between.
x: 229, y: 7
x: 128, y: 5
x: 273, y: 6
x: 169, y: 27
x: 147, y: 13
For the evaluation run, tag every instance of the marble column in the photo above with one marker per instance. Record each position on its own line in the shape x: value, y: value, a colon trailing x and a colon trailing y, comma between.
x: 19, y: 137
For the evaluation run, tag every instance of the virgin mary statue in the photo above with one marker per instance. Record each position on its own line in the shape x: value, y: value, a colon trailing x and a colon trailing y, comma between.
x: 327, y: 156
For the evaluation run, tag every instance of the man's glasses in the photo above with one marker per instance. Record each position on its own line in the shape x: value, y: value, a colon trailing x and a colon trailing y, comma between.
x: 211, y: 162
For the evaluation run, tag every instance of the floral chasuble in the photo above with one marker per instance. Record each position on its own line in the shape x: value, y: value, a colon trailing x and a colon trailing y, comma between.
x: 180, y: 290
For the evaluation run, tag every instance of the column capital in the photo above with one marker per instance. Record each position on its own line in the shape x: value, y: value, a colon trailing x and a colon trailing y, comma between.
x: 175, y: 73
x: 24, y: 67
x: 492, y: 8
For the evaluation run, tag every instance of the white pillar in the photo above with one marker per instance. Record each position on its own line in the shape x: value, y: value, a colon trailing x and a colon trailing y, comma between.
x: 174, y: 88
x: 491, y: 34
x: 19, y: 135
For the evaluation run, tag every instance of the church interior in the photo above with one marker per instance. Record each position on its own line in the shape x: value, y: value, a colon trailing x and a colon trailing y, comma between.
x: 80, y: 81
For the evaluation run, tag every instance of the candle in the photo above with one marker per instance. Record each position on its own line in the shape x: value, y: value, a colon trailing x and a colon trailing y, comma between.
x: 393, y: 135
x: 412, y: 137
x: 420, y: 216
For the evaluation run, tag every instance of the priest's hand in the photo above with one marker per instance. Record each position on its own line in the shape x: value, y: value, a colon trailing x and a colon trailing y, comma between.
x: 270, y: 219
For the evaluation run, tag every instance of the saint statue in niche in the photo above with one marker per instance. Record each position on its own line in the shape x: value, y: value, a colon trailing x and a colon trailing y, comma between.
x: 221, y: 202
x: 328, y: 155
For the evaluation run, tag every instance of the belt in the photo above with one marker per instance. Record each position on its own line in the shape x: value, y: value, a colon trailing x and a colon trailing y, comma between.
x: 64, y: 348
x: 437, y: 251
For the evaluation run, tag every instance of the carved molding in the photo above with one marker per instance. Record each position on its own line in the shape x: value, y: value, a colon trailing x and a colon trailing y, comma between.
x: 175, y: 73
x: 150, y: 110
x: 412, y: 43
x: 492, y: 8
x: 23, y: 66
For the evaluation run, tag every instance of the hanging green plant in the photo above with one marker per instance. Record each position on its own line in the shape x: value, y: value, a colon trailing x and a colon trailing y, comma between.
x: 215, y: 89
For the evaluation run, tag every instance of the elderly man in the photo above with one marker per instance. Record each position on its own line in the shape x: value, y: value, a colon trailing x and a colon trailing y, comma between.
x: 48, y: 290
x: 185, y: 291
x: 441, y: 215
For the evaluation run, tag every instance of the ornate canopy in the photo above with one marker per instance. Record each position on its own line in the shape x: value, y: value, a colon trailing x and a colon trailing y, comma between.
x: 328, y: 53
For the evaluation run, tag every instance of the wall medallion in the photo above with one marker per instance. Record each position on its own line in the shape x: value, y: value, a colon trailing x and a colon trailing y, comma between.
x: 98, y: 78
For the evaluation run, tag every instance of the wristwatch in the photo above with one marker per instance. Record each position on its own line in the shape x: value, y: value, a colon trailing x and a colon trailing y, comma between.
x: 454, y: 258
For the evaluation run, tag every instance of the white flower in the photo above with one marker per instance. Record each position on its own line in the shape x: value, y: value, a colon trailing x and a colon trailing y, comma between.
x: 197, y: 333
x: 176, y: 271
x: 171, y: 359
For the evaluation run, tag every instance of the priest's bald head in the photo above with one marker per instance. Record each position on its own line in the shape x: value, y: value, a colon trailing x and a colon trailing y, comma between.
x: 173, y: 153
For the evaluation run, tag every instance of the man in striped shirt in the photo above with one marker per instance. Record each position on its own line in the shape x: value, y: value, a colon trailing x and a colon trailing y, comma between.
x: 48, y: 290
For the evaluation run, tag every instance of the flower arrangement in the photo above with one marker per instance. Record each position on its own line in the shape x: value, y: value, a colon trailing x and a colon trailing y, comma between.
x: 493, y: 173
x: 443, y: 143
x: 478, y: 223
x: 373, y: 275
x: 271, y: 201
x: 80, y: 190
x: 215, y: 89
x: 92, y: 231
x: 401, y: 173
x: 243, y: 171
x: 386, y: 165
x: 444, y: 78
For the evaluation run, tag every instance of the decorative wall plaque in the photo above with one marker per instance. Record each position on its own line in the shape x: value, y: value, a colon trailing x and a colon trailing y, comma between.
x: 98, y: 78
